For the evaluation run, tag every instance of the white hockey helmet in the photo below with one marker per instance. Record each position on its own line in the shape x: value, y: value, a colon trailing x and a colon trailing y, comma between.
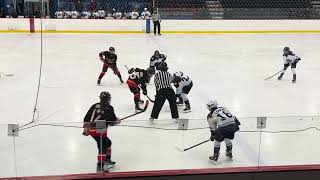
x: 145, y: 9
x: 178, y: 74
x: 211, y: 104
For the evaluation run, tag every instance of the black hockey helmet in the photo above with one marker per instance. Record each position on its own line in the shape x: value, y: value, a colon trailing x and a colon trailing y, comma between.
x: 156, y: 53
x: 131, y: 70
x: 177, y: 79
x: 112, y: 49
x: 286, y: 49
x: 163, y: 66
x: 105, y: 97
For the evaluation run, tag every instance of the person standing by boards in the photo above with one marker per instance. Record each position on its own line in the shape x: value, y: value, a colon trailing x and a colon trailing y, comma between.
x: 156, y: 19
x: 162, y: 81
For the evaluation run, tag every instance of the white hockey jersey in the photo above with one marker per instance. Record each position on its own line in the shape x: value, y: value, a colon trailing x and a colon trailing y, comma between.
x: 290, y: 57
x: 185, y: 81
x: 134, y: 15
x: 220, y: 117
x: 59, y: 14
x: 118, y: 15
x: 102, y: 13
x: 74, y: 14
x: 145, y: 14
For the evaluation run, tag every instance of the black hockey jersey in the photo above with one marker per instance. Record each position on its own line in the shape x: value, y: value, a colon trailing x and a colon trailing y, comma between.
x: 155, y: 62
x: 109, y: 58
x: 98, y: 112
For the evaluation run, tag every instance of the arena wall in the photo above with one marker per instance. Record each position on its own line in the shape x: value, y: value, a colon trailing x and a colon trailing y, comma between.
x: 168, y: 26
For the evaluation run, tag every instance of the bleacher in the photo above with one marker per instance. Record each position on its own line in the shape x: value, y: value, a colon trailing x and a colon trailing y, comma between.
x: 183, y: 9
x: 266, y: 9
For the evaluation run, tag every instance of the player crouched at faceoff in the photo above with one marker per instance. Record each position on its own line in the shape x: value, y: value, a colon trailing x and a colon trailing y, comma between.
x: 109, y: 59
x: 101, y: 111
x: 183, y: 86
x: 223, y: 126
x: 290, y: 59
x: 137, y: 78
x: 155, y: 62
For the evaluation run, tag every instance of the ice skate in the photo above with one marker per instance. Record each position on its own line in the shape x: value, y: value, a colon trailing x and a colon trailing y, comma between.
x: 180, y: 102
x: 99, y: 82
x: 137, y: 108
x: 280, y: 77
x: 229, y: 154
x: 141, y: 101
x: 121, y: 81
x: 187, y: 108
x: 108, y: 165
x: 151, y: 120
x: 100, y: 168
x: 214, y: 158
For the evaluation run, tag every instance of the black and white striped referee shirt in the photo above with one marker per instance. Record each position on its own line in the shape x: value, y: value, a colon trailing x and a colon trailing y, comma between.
x: 162, y: 79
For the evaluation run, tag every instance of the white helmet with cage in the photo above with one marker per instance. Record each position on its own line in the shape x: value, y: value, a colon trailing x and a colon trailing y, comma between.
x: 212, y: 104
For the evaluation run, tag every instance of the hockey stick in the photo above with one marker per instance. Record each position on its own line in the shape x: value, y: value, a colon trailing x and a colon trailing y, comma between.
x: 182, y: 150
x: 273, y: 75
x: 141, y: 88
x: 150, y: 98
x: 2, y: 73
x: 143, y: 110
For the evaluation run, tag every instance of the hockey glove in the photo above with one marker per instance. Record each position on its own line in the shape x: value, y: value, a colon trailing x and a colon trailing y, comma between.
x: 86, y: 127
x: 213, y: 135
x: 296, y: 61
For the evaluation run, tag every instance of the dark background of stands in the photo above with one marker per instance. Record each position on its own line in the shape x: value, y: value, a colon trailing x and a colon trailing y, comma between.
x: 190, y: 9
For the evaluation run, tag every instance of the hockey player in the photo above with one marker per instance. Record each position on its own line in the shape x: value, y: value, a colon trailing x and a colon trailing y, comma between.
x: 145, y: 14
x: 59, y: 14
x: 109, y: 58
x: 134, y: 14
x: 290, y: 59
x: 183, y: 86
x: 155, y: 62
x: 101, y: 111
x: 137, y: 79
x: 223, y: 126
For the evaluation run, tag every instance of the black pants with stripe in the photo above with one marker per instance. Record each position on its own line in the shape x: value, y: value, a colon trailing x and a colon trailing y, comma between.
x: 161, y: 96
x: 156, y: 26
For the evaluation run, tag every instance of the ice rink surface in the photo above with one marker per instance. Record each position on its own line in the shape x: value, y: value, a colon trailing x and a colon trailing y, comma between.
x: 229, y: 68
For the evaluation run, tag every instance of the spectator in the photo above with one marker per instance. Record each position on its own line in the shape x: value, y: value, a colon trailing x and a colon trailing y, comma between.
x: 93, y: 6
x: 79, y: 6
x: 2, y: 13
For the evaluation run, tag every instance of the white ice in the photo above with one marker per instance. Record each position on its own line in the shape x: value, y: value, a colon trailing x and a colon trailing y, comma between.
x: 229, y: 68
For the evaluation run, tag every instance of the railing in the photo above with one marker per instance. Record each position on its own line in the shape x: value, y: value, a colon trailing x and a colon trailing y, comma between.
x: 59, y: 148
x: 169, y: 9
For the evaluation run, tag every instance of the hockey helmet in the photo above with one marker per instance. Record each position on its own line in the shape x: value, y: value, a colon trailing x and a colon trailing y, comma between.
x: 286, y: 49
x: 112, y: 49
x: 212, y: 104
x: 105, y: 97
x: 178, y: 74
x: 156, y: 53
x: 131, y: 70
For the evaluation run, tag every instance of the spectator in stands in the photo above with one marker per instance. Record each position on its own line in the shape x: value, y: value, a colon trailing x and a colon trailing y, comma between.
x: 2, y: 13
x: 93, y: 6
x: 13, y: 11
x: 79, y: 6
x: 156, y: 18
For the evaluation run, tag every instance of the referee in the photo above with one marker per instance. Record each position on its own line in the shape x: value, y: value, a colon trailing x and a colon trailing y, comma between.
x: 162, y: 81
x: 156, y: 18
